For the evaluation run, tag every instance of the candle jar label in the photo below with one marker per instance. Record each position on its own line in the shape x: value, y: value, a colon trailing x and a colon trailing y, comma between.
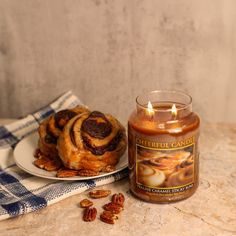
x: 166, y: 169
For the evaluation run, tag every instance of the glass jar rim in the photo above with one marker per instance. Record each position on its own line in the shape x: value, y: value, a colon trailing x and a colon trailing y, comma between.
x: 185, y: 106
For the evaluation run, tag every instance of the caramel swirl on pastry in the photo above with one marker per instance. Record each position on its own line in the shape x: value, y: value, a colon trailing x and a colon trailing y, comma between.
x: 97, y: 125
x: 181, y: 177
x: 168, y: 163
x: 149, y: 175
x: 165, y: 164
x: 62, y: 117
x: 92, y: 141
x: 50, y: 129
x: 59, y: 120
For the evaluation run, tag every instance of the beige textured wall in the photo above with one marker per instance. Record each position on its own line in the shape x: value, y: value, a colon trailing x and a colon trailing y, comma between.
x: 109, y: 51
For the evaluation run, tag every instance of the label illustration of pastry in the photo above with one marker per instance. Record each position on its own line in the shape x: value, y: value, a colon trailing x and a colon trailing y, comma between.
x: 165, y: 170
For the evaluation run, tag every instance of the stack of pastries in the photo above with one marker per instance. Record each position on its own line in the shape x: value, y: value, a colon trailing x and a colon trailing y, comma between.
x: 80, y: 142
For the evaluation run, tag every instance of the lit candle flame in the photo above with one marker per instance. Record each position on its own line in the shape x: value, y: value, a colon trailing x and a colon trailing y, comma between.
x: 150, y: 109
x: 174, y: 110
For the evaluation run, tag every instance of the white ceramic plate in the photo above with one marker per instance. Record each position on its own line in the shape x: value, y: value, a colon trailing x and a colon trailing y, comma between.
x: 24, y: 158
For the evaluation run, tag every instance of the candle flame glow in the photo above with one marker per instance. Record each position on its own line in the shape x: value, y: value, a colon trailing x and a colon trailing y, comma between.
x: 174, y: 110
x: 150, y: 108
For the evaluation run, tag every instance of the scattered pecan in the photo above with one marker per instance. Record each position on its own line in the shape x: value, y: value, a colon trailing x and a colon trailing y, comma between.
x: 64, y: 173
x: 90, y: 214
x: 87, y: 173
x: 86, y: 203
x: 99, y: 193
x: 113, y: 208
x: 108, y: 217
x: 109, y: 168
x: 47, y: 164
x: 118, y: 198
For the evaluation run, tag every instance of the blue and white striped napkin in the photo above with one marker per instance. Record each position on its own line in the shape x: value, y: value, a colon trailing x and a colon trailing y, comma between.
x: 20, y: 192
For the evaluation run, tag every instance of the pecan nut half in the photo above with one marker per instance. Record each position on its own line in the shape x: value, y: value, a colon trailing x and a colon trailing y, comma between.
x: 90, y: 214
x: 47, y: 164
x: 118, y: 198
x: 113, y: 208
x: 65, y: 173
x: 99, y: 193
x: 86, y: 203
x: 88, y: 173
x: 108, y: 217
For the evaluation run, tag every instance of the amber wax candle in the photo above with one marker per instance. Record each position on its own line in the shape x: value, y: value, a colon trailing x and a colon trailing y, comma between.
x: 163, y: 134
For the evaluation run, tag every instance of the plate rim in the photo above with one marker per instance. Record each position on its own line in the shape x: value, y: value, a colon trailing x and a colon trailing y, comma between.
x: 76, y: 178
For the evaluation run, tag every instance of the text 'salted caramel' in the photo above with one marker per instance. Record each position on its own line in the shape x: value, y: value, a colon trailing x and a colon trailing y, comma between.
x: 163, y: 137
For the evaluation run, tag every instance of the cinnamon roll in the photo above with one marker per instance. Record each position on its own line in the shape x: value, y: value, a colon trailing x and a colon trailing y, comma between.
x: 92, y: 141
x: 181, y: 177
x: 150, y: 176
x: 50, y: 129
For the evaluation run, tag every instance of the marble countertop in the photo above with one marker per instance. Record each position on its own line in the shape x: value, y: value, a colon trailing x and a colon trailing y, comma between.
x: 210, y: 211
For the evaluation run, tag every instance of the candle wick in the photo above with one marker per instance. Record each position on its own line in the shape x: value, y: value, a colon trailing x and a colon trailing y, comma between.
x: 151, y: 116
x: 174, y: 116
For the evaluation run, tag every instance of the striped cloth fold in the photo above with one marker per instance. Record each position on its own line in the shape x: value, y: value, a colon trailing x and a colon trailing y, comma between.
x: 20, y: 192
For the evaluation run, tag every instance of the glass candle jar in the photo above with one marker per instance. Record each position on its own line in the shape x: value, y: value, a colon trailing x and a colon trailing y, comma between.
x: 163, y: 147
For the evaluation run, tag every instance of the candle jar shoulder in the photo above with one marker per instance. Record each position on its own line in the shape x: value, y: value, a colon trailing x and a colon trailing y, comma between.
x: 155, y: 126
